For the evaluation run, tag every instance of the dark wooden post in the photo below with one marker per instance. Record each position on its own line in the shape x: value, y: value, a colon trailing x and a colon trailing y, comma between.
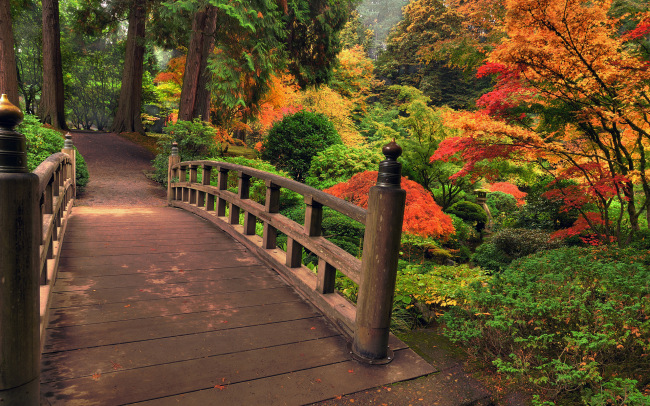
x: 174, y: 158
x: 379, y: 262
x: 68, y: 148
x: 269, y: 236
x: 19, y: 284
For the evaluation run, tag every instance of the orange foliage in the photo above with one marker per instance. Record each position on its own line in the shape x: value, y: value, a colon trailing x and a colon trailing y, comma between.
x: 509, y: 188
x: 278, y: 102
x: 174, y: 73
x: 422, y: 215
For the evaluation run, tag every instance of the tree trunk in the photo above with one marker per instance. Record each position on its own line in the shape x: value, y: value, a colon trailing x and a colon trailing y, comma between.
x: 195, y: 97
x: 8, y: 71
x: 128, y: 117
x: 52, y: 101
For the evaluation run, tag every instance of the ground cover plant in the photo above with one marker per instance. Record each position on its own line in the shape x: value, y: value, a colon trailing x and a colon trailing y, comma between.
x: 572, y: 323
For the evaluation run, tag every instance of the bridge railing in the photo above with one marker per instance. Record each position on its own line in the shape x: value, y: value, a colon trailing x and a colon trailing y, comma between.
x: 56, y: 191
x: 369, y: 321
x: 33, y: 216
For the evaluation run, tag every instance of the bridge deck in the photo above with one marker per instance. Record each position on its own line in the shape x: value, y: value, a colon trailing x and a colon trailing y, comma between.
x: 156, y: 306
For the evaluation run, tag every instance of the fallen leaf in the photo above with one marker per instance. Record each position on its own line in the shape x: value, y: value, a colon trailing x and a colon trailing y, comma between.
x: 128, y: 305
x: 116, y: 366
x: 96, y: 376
x: 313, y: 328
x: 220, y: 387
x: 351, y: 371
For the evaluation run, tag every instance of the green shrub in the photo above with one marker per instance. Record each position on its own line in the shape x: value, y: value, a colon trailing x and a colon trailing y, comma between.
x: 43, y: 142
x: 196, y: 140
x: 292, y: 142
x: 338, y: 162
x: 500, y: 202
x: 512, y: 243
x: 488, y: 256
x: 520, y: 242
x: 571, y: 320
x: 540, y: 212
x: 469, y: 212
x: 428, y: 290
x: 343, y: 231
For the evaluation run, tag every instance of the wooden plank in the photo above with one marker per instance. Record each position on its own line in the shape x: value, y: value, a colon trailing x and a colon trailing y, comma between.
x: 106, y: 359
x: 156, y: 239
x: 107, y: 249
x: 93, y: 335
x: 306, y: 386
x: 97, y: 313
x: 123, y: 387
x: 151, y: 291
x: 71, y: 281
x: 183, y: 259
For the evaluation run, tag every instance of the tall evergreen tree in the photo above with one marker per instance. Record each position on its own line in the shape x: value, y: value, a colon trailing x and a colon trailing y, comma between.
x: 52, y: 109
x: 8, y: 72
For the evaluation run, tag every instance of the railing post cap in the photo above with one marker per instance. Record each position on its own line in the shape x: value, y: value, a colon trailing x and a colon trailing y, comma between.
x: 174, y: 148
x: 392, y: 151
x: 68, y: 141
x: 390, y: 171
x: 10, y: 115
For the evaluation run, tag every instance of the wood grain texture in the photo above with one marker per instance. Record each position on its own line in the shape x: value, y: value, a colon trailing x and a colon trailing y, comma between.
x: 198, y: 321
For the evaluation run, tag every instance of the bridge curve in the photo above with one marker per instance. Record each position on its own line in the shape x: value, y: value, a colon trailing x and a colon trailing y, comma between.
x: 155, y: 305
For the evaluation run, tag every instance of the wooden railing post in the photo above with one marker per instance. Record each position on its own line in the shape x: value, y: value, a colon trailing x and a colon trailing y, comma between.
x: 19, y: 263
x: 174, y: 158
x: 269, y: 235
x: 68, y: 148
x: 379, y: 262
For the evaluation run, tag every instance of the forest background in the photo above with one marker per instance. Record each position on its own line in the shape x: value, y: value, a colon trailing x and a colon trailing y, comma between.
x: 525, y: 126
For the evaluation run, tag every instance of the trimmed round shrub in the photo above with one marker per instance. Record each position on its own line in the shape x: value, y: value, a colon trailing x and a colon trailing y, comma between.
x: 571, y: 323
x: 469, y: 212
x: 292, y: 143
x: 338, y: 163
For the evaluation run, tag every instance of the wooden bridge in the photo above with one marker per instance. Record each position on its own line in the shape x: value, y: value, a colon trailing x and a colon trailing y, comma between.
x: 187, y: 304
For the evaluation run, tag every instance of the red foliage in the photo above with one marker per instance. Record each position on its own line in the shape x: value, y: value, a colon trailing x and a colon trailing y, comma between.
x: 584, y: 227
x: 422, y: 215
x: 509, y: 188
x: 508, y: 91
x: 593, y: 183
x: 641, y: 30
x: 471, y: 150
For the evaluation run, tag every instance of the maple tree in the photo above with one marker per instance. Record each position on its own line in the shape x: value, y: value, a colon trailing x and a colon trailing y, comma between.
x: 572, y: 95
x: 509, y: 188
x: 422, y: 215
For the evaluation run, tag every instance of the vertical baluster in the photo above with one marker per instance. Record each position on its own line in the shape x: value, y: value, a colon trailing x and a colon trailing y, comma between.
x: 326, y: 277
x: 272, y: 206
x: 207, y: 175
x: 182, y: 179
x: 193, y: 178
x: 294, y: 253
x: 200, y: 198
x: 244, y: 193
x: 174, y: 158
x: 222, y: 184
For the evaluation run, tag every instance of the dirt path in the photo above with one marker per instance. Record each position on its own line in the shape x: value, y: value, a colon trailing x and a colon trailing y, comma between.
x: 117, y: 172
